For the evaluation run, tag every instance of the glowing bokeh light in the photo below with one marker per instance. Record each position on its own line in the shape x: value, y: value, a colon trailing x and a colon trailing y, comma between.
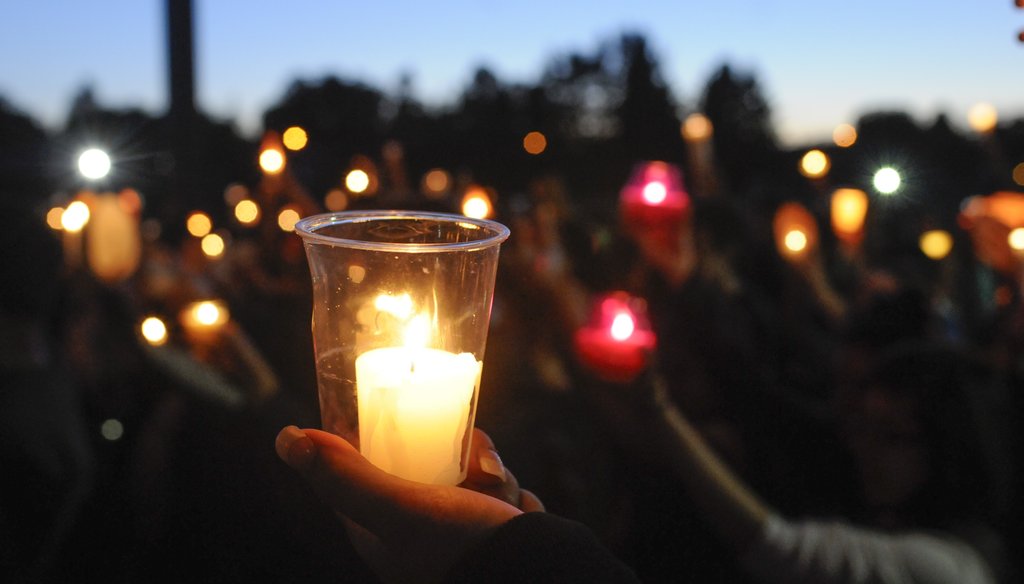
x: 436, y: 182
x: 207, y: 313
x: 815, y: 164
x: 1016, y: 239
x: 112, y: 429
x: 198, y: 224
x: 535, y: 143
x: 623, y: 326
x: 655, y: 192
x: 94, y: 163
x: 53, y: 218
x: 272, y: 161
x: 75, y: 217
x: 697, y: 127
x: 982, y: 117
x: 844, y: 136
x: 295, y: 138
x: 336, y: 200
x: 357, y: 181
x: 795, y: 241
x: 287, y: 219
x: 154, y: 331
x: 936, y: 243
x: 887, y: 180
x: 1018, y: 174
x: 213, y: 245
x: 476, y: 204
x: 247, y: 212
x: 849, y: 209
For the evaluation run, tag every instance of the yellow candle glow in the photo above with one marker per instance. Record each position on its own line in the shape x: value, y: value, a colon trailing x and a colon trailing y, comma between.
x: 415, y: 406
x: 204, y: 319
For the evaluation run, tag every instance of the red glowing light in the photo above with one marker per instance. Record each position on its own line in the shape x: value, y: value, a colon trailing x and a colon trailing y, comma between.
x: 617, y: 342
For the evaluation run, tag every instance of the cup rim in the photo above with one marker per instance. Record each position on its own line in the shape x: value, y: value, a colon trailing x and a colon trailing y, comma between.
x: 307, y: 227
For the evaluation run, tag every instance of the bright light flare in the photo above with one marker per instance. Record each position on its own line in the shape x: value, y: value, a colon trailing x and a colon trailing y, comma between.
x: 154, y: 331
x: 476, y: 204
x: 295, y: 138
x: 887, y: 180
x: 208, y: 313
x: 398, y: 306
x: 199, y: 224
x: 622, y: 327
x: 75, y: 217
x: 815, y: 164
x: 936, y: 243
x: 655, y: 192
x: 1016, y: 239
x: 287, y: 219
x: 272, y: 161
x: 357, y: 181
x: 417, y: 332
x: 247, y: 212
x: 844, y: 135
x: 94, y: 164
x: 795, y: 241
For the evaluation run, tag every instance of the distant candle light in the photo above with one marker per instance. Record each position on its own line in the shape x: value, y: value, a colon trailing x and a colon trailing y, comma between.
x: 287, y: 219
x: 198, y: 224
x: 75, y: 217
x: 357, y: 181
x: 655, y: 192
x: 154, y: 331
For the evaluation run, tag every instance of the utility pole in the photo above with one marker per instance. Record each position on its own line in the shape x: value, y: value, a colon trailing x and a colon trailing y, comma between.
x: 181, y: 116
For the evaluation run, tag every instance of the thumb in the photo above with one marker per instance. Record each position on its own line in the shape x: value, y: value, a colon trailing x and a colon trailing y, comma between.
x: 345, y: 480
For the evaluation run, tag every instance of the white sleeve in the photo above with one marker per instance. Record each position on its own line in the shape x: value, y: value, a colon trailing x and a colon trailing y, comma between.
x: 838, y: 553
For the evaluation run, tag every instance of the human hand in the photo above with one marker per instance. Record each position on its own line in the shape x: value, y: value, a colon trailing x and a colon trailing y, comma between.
x: 407, y: 531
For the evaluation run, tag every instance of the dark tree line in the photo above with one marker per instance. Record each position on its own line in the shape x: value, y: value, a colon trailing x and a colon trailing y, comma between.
x: 601, y: 111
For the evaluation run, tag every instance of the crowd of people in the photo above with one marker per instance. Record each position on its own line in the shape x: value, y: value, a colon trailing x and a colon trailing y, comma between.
x: 844, y: 417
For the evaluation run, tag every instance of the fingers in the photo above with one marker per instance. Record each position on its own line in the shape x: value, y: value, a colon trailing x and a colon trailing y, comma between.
x: 528, y: 502
x: 345, y: 480
x: 488, y: 475
x: 485, y: 466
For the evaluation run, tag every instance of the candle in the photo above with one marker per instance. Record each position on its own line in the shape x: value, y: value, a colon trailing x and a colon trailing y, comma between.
x: 617, y: 342
x: 414, y: 410
x: 204, y: 319
x: 401, y: 305
x: 796, y: 232
x: 654, y: 197
x: 415, y: 406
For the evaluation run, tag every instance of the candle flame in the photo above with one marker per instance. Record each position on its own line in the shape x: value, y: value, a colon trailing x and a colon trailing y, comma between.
x: 622, y: 326
x: 796, y: 241
x: 655, y: 192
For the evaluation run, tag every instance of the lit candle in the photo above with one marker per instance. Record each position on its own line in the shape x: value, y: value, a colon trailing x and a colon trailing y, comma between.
x: 617, y: 343
x: 654, y: 197
x: 415, y: 406
x: 796, y: 232
x: 204, y: 319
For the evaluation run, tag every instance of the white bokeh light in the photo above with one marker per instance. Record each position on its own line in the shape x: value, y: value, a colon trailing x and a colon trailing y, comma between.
x: 94, y: 164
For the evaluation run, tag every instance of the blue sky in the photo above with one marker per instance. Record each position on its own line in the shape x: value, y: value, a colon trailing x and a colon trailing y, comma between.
x: 819, y: 63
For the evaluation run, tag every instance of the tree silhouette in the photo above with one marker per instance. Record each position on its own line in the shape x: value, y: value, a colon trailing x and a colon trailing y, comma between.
x: 744, y: 140
x: 647, y: 113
